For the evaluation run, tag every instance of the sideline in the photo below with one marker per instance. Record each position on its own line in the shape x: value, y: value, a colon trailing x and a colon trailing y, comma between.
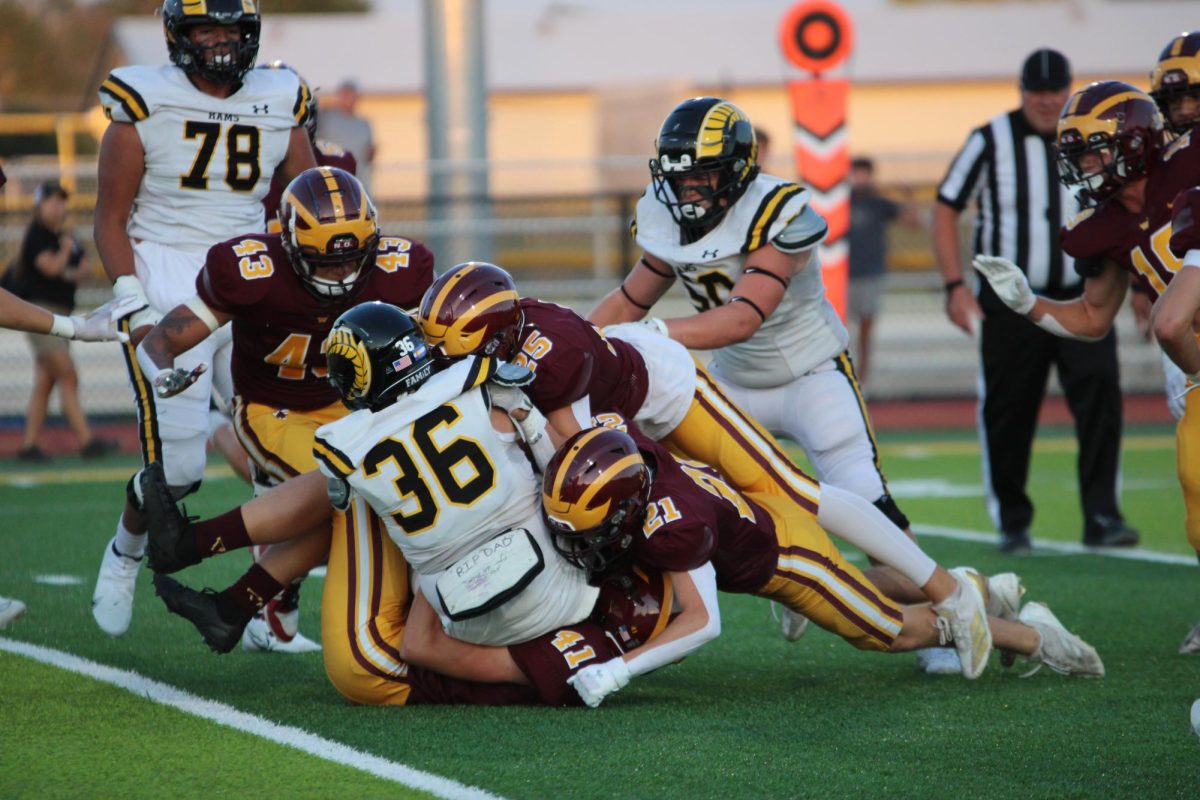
x: 1068, y: 548
x: 230, y: 717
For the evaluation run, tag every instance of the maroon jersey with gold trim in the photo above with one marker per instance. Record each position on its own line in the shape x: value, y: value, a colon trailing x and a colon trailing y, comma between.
x: 1140, y: 243
x: 328, y: 155
x: 571, y: 358
x: 279, y: 326
x: 694, y: 516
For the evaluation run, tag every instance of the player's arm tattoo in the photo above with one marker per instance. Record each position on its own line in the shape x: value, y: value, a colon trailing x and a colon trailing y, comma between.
x: 177, y: 332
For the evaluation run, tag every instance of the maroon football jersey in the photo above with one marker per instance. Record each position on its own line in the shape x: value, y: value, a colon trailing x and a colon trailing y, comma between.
x: 328, y: 155
x: 570, y: 358
x: 1140, y: 243
x: 279, y: 326
x: 694, y: 516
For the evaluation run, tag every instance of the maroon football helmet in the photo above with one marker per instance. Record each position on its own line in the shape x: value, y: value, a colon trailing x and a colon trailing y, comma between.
x: 635, y: 608
x: 1177, y: 74
x: 473, y: 308
x: 1118, y: 123
x: 594, y: 496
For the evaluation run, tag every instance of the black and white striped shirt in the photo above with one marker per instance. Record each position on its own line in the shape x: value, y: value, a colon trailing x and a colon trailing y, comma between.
x: 1009, y: 169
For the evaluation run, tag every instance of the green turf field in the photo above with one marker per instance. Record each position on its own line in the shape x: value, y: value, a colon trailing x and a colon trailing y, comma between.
x: 750, y: 716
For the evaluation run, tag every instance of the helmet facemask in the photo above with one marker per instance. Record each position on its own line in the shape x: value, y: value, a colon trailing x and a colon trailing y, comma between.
x: 1122, y: 159
x: 225, y: 63
x: 607, y: 548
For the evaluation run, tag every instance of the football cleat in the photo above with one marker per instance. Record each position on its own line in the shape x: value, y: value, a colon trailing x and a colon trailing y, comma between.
x: 172, y: 545
x: 939, y: 660
x: 10, y: 609
x: 1191, y: 643
x: 966, y: 616
x: 112, y: 600
x: 793, y: 625
x: 201, y: 609
x: 1059, y: 649
x: 260, y: 636
x: 1001, y: 596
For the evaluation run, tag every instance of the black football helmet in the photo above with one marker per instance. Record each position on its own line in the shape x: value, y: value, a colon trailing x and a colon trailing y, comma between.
x: 374, y: 354
x: 1116, y: 121
x: 1177, y: 74
x: 594, y: 496
x: 226, y: 63
x: 326, y: 219
x: 710, y: 137
x: 306, y: 94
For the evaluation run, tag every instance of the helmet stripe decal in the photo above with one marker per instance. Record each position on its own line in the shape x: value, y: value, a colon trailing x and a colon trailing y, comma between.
x: 562, y: 468
x: 335, y: 194
x: 195, y: 7
x: 429, y: 319
x: 712, y: 129
x: 1177, y: 46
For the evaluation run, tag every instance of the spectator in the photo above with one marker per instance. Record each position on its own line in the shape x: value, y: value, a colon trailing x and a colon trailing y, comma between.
x: 1007, y: 168
x: 764, y: 149
x: 49, y: 266
x: 337, y: 123
x: 870, y: 213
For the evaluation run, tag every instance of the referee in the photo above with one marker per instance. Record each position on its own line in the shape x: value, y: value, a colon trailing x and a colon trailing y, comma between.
x: 1007, y: 168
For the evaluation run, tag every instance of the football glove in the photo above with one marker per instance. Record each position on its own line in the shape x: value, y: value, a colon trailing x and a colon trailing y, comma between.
x: 130, y: 286
x: 598, y: 681
x: 1008, y: 282
x: 170, y: 381
x: 655, y: 324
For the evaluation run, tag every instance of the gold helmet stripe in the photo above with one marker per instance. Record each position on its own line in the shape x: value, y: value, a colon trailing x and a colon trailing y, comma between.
x: 335, y: 194
x: 195, y: 7
x: 440, y: 335
x: 1177, y: 46
x: 1089, y: 123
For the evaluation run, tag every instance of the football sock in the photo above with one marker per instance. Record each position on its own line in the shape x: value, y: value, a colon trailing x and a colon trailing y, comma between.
x: 129, y: 544
x: 251, y: 592
x: 221, y: 534
x: 863, y: 525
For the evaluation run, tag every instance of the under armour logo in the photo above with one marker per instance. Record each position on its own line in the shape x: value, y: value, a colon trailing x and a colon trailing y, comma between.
x: 265, y: 109
x: 281, y: 414
x: 709, y: 254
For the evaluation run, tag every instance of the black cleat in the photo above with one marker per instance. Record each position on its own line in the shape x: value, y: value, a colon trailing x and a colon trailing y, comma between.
x: 172, y: 545
x: 202, y: 609
x: 1013, y: 543
x: 1105, y: 531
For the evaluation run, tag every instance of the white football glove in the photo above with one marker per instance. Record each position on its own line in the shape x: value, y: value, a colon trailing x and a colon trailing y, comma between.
x: 100, y: 325
x: 598, y: 681
x: 170, y: 381
x: 1008, y: 282
x: 655, y: 324
x: 144, y: 315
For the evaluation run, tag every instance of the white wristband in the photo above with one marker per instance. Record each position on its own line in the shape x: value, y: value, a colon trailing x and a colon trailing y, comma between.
x: 62, y: 326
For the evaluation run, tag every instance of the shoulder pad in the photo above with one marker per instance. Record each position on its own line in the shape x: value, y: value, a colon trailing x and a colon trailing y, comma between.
x: 803, y: 231
x: 511, y: 375
x: 122, y: 102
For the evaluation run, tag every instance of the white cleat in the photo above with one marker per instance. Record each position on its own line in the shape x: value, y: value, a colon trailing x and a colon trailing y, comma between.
x: 1059, y: 649
x: 1191, y: 643
x: 966, y: 616
x: 112, y: 602
x: 1196, y: 717
x: 258, y: 637
x: 793, y: 625
x: 939, y: 661
x: 1003, y: 597
x: 10, y: 609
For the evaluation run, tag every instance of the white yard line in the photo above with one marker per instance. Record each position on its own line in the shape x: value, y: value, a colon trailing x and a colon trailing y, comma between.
x: 249, y: 723
x: 1069, y: 548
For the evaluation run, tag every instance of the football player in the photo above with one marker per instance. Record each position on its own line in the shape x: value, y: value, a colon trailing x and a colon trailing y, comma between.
x: 443, y: 470
x: 1175, y: 82
x: 185, y: 162
x: 615, y: 499
x: 282, y: 291
x: 1111, y: 148
x: 580, y: 372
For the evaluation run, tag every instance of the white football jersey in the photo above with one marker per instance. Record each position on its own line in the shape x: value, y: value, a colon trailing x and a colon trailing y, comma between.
x: 208, y: 160
x: 445, y: 482
x: 804, y: 330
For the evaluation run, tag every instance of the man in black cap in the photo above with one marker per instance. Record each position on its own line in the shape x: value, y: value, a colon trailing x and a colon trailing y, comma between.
x: 1007, y: 168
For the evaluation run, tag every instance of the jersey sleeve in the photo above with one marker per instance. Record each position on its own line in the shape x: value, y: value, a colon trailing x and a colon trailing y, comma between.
x: 679, y: 545
x: 224, y: 286
x: 962, y: 180
x: 120, y: 97
x: 300, y: 109
x: 776, y: 210
x: 1185, y: 222
x: 333, y: 462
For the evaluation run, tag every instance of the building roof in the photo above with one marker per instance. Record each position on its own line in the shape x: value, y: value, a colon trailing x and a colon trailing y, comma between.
x: 569, y: 45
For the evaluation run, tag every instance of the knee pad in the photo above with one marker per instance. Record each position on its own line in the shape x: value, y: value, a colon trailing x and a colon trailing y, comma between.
x: 892, y: 511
